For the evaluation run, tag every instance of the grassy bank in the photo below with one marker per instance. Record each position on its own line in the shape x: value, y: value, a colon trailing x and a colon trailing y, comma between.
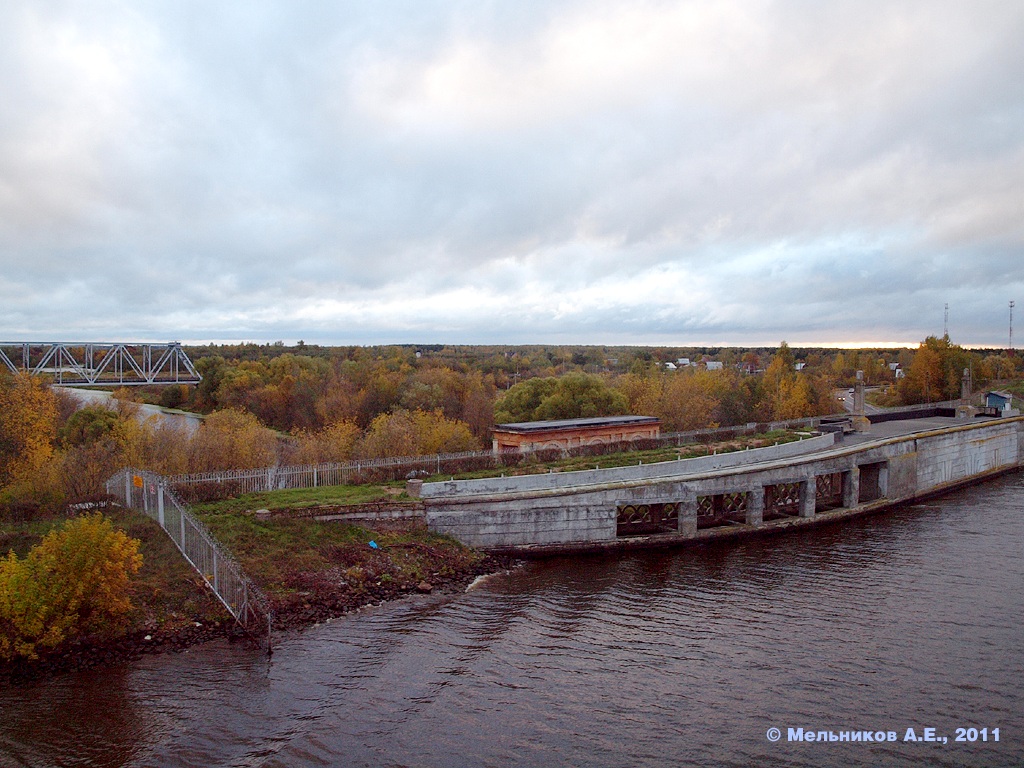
x: 314, y: 570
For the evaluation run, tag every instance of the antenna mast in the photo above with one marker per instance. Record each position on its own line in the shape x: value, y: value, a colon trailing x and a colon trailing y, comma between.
x: 1011, y: 326
x: 945, y: 321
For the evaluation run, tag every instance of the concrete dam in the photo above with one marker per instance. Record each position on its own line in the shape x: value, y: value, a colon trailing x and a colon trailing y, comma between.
x: 815, y: 480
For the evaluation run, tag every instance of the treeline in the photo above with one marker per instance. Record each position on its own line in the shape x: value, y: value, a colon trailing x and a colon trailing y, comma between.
x: 54, y: 452
x: 304, y: 404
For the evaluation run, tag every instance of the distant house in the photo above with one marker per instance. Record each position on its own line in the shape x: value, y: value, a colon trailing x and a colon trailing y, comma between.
x: 800, y: 366
x: 715, y: 365
x: 683, y: 362
x: 897, y: 370
x: 563, y: 434
x: 670, y: 366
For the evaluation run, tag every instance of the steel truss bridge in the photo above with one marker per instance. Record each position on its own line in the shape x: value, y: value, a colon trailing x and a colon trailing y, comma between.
x: 101, y: 364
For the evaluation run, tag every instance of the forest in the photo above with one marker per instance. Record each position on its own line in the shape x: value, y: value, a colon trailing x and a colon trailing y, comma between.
x: 272, y: 403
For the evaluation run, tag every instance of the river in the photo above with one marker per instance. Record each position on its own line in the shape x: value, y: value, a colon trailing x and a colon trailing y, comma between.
x: 188, y: 421
x: 906, y: 619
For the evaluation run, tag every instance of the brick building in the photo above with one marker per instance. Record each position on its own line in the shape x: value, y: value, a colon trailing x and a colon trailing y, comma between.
x: 572, y: 433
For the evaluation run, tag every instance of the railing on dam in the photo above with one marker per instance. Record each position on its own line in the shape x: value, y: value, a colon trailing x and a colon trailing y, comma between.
x: 202, y: 485
x: 641, y: 472
x: 147, y: 492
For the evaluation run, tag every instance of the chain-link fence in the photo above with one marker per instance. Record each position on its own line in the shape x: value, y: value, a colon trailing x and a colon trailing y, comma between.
x: 149, y: 493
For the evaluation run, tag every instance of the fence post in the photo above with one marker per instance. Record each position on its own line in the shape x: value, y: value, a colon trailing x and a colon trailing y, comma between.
x: 160, y: 505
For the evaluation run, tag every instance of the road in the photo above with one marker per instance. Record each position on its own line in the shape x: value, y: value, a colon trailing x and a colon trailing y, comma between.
x: 846, y: 396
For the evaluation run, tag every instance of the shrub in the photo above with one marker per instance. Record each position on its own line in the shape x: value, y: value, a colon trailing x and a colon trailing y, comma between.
x: 75, y: 581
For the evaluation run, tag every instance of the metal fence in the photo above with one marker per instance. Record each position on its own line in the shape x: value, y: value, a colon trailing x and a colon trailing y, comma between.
x: 148, y: 492
x: 205, y: 486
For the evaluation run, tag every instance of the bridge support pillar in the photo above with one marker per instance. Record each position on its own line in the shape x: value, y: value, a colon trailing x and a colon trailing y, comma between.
x: 755, y: 506
x: 808, y: 497
x: 851, y: 488
x: 688, y: 514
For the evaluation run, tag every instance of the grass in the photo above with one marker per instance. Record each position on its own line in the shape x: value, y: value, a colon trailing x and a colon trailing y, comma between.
x: 286, y: 555
x: 350, y: 495
x: 630, y: 458
x: 298, y: 498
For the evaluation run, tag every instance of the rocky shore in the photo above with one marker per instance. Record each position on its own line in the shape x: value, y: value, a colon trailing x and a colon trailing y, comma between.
x: 294, y: 612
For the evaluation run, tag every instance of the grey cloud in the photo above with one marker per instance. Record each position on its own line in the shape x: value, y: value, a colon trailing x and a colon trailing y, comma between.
x: 816, y: 169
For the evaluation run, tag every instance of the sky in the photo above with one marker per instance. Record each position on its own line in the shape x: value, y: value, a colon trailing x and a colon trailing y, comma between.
x: 483, y: 172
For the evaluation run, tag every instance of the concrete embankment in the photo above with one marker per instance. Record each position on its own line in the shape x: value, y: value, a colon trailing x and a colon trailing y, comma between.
x: 753, y: 492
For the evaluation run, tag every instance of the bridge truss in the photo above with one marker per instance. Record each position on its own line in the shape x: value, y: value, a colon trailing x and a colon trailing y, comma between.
x: 89, y: 363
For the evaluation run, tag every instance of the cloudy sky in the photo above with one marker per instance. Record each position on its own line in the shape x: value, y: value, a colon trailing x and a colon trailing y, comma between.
x: 512, y: 172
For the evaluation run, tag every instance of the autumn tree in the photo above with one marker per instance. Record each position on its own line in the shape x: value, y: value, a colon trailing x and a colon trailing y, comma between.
x: 335, y: 443
x: 436, y: 433
x: 690, y: 401
x: 682, y: 400
x: 415, y: 433
x: 791, y: 394
x: 231, y: 439
x: 74, y: 582
x: 28, y: 427
x: 936, y: 372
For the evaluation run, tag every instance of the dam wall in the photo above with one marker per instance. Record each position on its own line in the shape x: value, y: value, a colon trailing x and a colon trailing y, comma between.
x: 810, y: 481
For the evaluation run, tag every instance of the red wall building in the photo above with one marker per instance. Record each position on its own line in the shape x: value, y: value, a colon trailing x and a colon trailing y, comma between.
x: 573, y: 433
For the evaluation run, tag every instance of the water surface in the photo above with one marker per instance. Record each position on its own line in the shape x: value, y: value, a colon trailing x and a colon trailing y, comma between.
x: 906, y: 619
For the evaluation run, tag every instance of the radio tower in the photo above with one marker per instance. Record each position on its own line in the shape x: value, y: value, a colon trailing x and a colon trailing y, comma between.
x: 1011, y: 327
x: 945, y: 322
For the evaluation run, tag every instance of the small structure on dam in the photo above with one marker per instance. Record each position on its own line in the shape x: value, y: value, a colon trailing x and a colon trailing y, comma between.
x: 565, y: 434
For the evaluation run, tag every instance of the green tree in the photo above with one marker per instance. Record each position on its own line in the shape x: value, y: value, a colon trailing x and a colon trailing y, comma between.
x: 521, y: 402
x: 576, y: 395
x: 87, y: 425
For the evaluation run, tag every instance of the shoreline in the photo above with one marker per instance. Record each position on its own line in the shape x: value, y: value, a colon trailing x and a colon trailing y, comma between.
x: 97, y: 653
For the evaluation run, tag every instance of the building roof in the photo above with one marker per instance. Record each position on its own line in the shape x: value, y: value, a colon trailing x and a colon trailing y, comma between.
x: 594, y: 421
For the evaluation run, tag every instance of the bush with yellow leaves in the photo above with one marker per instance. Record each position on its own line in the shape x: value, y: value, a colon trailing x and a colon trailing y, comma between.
x: 74, y: 582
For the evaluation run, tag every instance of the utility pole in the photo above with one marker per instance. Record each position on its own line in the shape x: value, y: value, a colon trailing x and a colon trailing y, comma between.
x: 945, y: 321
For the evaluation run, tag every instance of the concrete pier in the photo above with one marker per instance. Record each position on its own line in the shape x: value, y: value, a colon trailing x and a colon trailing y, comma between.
x: 731, y: 494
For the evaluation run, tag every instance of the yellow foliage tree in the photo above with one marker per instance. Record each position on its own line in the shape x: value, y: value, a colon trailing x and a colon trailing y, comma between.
x: 231, y: 439
x: 28, y: 427
x: 689, y: 401
x: 73, y: 582
x: 334, y: 443
x: 417, y: 433
x: 437, y: 434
